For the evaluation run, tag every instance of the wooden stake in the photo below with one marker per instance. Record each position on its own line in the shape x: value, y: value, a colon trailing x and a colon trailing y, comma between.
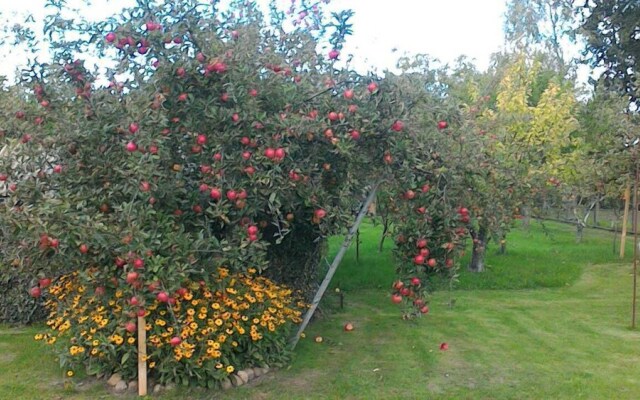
x: 358, y: 246
x: 334, y: 266
x: 623, y: 233
x: 142, y: 357
x: 635, y: 245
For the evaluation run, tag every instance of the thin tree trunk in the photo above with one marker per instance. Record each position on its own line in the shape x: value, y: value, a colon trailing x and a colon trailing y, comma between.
x: 526, y: 217
x: 479, y: 249
x: 385, y: 230
x: 579, y: 231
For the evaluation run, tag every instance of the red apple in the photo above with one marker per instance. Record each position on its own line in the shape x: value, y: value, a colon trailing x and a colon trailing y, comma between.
x: 84, y: 249
x: 130, y: 327
x: 131, y: 147
x: 442, y: 124
x: 415, y: 281
x: 355, y: 135
x: 35, y: 292
x: 201, y: 139
x: 397, y: 126
x: 396, y: 299
x: 420, y: 243
x: 175, y: 341
x: 132, y: 277
x: 138, y: 263
x: 334, y: 54
x: 110, y: 37
x: 269, y: 153
x: 162, y: 297
x: 215, y: 194
x: 145, y: 186
x: 418, y: 260
x: 432, y: 262
x: 133, y: 127
x: 348, y: 94
x: 372, y: 87
x: 44, y: 282
x: 348, y: 327
x: 319, y: 213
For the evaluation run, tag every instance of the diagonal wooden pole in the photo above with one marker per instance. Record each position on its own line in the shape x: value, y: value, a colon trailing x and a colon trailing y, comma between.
x: 334, y: 266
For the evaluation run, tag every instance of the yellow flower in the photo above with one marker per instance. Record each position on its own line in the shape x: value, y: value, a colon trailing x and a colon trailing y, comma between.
x: 38, y: 336
x: 215, y: 306
x: 219, y: 322
x: 152, y: 364
x: 69, y: 373
x: 131, y: 340
x: 230, y: 369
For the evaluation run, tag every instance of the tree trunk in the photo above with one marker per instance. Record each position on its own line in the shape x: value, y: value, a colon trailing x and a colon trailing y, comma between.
x: 579, y: 231
x: 479, y: 248
x: 385, y: 231
x: 526, y: 217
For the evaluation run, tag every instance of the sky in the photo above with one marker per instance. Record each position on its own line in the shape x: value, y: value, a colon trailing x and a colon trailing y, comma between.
x: 383, y: 30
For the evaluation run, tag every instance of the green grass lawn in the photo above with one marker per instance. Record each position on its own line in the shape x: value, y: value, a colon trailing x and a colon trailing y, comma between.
x: 549, y: 320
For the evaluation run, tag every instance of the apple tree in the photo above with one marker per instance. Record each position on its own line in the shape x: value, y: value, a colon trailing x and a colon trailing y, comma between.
x: 221, y: 151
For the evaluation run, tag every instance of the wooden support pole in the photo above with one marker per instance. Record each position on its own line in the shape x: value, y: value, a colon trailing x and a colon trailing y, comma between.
x: 623, y: 233
x: 358, y: 246
x: 142, y: 357
x: 334, y: 266
x: 635, y: 243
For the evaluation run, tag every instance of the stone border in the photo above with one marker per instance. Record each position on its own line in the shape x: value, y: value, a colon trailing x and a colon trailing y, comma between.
x: 242, y: 377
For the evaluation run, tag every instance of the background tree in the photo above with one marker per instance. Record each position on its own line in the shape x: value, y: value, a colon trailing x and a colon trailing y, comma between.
x: 611, y: 29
